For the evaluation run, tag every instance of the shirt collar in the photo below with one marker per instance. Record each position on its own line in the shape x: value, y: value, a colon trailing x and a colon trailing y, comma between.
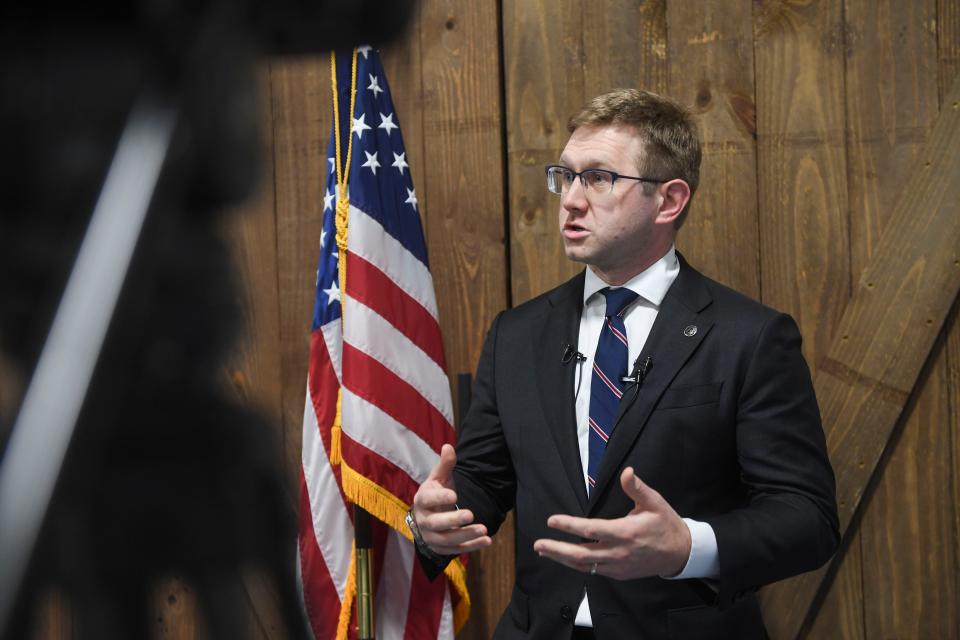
x: 651, y: 284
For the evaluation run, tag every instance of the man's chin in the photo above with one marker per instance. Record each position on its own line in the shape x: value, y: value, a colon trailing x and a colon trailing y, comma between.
x: 576, y: 253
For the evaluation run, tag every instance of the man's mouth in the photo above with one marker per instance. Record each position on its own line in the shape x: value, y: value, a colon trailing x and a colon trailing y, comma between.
x: 574, y: 231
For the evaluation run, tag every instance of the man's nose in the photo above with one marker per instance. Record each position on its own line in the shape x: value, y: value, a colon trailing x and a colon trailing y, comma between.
x: 575, y: 197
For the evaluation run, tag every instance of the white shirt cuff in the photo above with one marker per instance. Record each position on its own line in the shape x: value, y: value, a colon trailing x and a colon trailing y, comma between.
x: 704, y: 559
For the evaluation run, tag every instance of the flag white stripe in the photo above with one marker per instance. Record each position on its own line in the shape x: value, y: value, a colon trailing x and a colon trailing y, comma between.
x: 371, y: 242
x: 393, y: 596
x: 367, y: 425
x: 331, y: 522
x: 370, y: 332
x: 445, y: 630
x: 303, y: 605
x: 331, y: 335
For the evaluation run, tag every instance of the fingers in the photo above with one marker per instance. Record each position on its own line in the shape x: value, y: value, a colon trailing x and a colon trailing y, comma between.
x: 645, y: 498
x: 580, y: 557
x: 452, y: 534
x: 587, y: 528
x: 458, y: 541
x: 433, y: 498
x: 443, y: 472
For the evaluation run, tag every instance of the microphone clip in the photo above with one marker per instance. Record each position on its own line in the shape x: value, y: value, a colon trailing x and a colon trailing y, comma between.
x: 639, y: 373
x: 570, y: 354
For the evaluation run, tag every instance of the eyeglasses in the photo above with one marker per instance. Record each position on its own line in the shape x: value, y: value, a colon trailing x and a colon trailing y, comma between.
x: 598, y: 181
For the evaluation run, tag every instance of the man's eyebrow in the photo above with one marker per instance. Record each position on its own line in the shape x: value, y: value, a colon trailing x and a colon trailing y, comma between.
x: 592, y: 163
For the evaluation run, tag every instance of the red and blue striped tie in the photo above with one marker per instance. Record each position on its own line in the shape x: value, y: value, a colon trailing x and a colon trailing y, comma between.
x: 606, y: 387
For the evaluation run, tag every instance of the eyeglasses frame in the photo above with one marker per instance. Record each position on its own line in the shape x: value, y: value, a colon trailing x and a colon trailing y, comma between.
x: 579, y: 174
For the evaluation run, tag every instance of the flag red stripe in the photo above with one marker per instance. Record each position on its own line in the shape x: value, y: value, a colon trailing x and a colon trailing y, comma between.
x: 369, y: 379
x: 372, y: 465
x: 372, y: 287
x: 319, y: 593
x: 323, y: 387
x: 426, y: 605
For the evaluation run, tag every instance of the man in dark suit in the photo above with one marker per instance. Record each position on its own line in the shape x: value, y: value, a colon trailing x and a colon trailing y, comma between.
x: 656, y: 432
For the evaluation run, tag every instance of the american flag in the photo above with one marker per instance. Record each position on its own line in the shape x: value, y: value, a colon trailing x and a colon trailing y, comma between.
x: 378, y: 404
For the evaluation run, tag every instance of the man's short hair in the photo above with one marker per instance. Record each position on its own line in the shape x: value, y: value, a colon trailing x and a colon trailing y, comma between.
x: 667, y: 130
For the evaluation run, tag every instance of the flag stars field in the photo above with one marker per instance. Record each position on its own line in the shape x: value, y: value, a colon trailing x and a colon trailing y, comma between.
x: 333, y: 293
x: 374, y: 86
x: 372, y: 163
x: 400, y: 161
x: 359, y: 126
x: 386, y: 123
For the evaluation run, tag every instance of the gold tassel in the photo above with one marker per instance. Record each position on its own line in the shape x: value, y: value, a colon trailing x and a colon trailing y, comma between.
x: 349, y: 594
x: 335, y: 433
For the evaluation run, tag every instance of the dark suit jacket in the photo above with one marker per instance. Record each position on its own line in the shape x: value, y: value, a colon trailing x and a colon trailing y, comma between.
x: 725, y: 426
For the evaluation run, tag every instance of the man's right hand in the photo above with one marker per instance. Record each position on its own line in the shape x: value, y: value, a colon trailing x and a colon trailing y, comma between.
x: 446, y: 529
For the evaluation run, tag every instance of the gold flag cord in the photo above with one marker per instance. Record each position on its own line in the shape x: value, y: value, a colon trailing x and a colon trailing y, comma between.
x: 362, y: 491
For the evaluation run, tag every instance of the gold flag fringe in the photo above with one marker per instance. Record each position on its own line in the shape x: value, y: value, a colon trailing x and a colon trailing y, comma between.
x: 359, y: 489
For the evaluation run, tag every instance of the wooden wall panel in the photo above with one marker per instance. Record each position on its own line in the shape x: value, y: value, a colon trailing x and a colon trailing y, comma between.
x: 801, y: 178
x: 462, y: 191
x: 544, y: 78
x: 909, y: 556
x: 255, y: 369
x: 175, y: 614
x: 712, y: 72
x: 300, y: 90
x: 948, y: 57
x: 624, y: 45
x: 802, y: 184
x: 891, y: 94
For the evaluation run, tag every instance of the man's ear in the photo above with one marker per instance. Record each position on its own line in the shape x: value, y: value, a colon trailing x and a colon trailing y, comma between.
x: 675, y: 195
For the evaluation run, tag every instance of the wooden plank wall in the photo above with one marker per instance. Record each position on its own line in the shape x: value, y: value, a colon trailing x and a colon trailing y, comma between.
x: 812, y: 115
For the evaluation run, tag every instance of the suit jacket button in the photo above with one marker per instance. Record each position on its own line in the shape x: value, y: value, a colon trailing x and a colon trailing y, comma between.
x: 566, y: 613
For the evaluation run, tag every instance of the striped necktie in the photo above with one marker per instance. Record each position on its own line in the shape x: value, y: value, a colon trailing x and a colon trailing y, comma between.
x: 606, y: 387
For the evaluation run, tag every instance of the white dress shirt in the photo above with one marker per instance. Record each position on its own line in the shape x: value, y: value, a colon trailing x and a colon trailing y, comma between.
x: 651, y: 285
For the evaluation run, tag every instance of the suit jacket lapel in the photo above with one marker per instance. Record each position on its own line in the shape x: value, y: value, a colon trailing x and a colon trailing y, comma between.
x: 669, y: 346
x: 555, y: 380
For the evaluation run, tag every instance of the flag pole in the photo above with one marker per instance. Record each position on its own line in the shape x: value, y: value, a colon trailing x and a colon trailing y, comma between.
x: 363, y: 535
x: 364, y: 544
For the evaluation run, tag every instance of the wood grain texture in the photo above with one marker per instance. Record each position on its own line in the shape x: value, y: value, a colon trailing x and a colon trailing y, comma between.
x: 175, y: 614
x: 948, y: 48
x: 885, y: 335
x: 909, y: 556
x: 624, y: 45
x: 799, y: 51
x: 301, y: 119
x: 544, y: 83
x: 891, y: 95
x: 462, y: 194
x: 836, y: 617
x: 953, y: 380
x: 254, y: 368
x: 54, y: 617
x: 948, y: 43
x: 250, y: 230
x: 711, y: 71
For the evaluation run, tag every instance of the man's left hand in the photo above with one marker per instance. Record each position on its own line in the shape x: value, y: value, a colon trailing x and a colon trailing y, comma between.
x: 650, y: 540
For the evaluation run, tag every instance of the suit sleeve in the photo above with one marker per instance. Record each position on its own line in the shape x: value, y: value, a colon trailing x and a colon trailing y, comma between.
x: 789, y: 524
x: 484, y: 475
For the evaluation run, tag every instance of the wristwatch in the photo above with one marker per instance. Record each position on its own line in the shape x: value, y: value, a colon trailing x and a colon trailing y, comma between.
x: 422, y: 546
